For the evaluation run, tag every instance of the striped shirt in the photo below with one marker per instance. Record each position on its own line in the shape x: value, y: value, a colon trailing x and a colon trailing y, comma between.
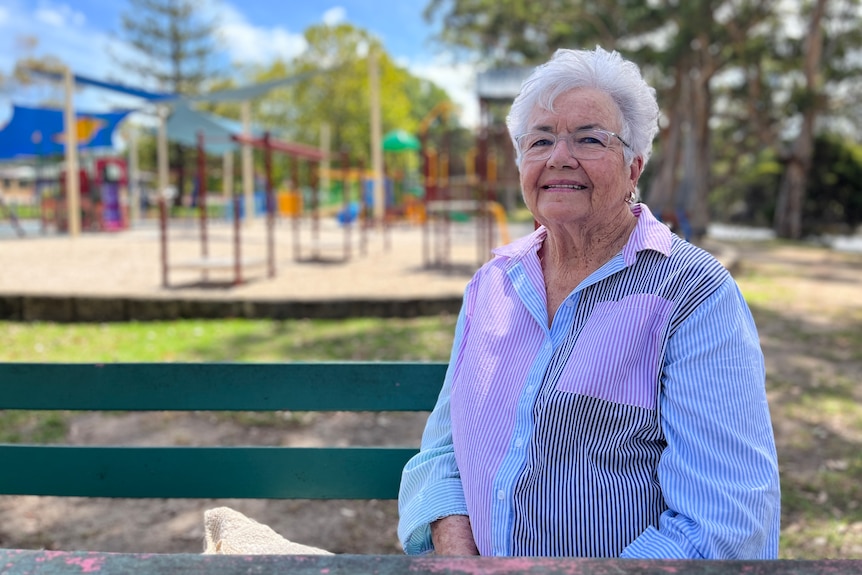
x: 635, y: 426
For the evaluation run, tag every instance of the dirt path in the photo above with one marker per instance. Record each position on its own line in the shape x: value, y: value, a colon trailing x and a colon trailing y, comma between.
x: 808, y: 306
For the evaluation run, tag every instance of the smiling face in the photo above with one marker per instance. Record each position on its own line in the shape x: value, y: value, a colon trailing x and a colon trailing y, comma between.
x: 564, y: 191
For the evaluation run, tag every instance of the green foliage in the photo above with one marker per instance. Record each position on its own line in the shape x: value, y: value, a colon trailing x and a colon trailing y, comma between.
x: 747, y: 185
x: 745, y: 188
x: 523, y: 32
x: 833, y: 202
x: 333, y: 89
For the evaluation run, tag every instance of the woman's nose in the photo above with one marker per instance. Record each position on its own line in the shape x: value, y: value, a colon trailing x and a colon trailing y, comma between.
x: 561, y: 156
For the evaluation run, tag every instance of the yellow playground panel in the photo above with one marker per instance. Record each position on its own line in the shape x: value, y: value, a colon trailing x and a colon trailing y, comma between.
x: 289, y: 202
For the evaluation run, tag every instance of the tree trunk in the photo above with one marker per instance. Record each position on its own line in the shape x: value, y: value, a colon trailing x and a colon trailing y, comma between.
x: 794, y: 180
x: 661, y: 194
x: 699, y: 169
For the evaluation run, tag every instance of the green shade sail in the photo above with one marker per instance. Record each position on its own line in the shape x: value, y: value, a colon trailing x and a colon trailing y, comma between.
x: 400, y: 141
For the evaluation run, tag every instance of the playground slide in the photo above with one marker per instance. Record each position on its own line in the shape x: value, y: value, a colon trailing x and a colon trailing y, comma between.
x: 499, y: 214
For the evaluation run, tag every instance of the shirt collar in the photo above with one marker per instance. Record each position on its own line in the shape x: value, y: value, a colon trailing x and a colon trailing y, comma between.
x: 649, y: 234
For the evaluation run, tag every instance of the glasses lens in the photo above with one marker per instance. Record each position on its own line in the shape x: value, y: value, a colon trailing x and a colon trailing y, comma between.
x: 583, y: 144
x: 589, y: 144
x: 537, y: 145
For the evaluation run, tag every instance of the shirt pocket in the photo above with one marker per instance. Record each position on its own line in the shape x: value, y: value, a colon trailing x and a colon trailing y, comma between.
x: 616, y: 356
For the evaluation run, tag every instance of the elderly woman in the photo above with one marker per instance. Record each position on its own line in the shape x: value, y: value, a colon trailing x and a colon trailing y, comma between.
x: 605, y: 394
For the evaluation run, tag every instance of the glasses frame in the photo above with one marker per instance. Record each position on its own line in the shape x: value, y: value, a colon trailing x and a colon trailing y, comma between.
x: 568, y: 139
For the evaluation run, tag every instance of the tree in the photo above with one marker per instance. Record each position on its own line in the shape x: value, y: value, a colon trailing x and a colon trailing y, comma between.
x: 174, y: 50
x: 174, y: 46
x: 682, y: 47
x: 25, y: 64
x: 707, y: 38
x: 526, y: 32
x: 734, y: 78
x: 791, y: 192
x: 823, y: 97
x: 335, y: 91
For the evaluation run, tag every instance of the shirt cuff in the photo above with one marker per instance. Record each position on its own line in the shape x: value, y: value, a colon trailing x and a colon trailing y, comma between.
x: 443, y: 499
x: 653, y: 545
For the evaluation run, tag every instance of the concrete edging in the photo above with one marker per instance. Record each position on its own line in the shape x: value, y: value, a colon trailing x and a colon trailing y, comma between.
x: 62, y: 309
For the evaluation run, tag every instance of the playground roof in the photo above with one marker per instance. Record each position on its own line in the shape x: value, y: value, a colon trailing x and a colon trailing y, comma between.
x: 400, y: 141
x: 228, y: 95
x: 41, y: 131
x: 184, y: 125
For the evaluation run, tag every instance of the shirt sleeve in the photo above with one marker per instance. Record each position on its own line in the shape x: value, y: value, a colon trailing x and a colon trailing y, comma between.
x: 431, y: 483
x: 719, y: 471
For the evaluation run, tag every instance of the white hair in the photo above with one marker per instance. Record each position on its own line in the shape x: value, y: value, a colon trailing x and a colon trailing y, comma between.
x: 599, y: 69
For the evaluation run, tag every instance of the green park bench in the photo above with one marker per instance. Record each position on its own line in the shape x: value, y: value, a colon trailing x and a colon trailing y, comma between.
x: 255, y: 471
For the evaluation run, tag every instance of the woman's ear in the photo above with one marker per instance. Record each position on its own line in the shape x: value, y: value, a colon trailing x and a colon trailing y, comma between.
x: 636, y: 169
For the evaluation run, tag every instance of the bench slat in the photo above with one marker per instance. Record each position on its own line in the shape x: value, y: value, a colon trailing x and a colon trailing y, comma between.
x: 26, y: 562
x: 204, y: 472
x: 320, y: 386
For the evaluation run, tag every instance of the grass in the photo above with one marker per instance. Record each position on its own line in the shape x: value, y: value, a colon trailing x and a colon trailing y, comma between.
x: 369, y: 339
x: 814, y: 363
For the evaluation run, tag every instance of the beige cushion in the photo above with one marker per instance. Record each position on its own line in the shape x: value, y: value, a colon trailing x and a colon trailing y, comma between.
x: 229, y: 532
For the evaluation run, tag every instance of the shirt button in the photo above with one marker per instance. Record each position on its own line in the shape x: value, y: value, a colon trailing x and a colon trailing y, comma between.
x: 529, y: 389
x: 548, y: 345
x: 501, y: 495
x: 519, y: 442
x: 569, y: 303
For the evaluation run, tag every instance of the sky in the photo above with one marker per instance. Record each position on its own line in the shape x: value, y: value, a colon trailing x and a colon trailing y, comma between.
x: 83, y: 33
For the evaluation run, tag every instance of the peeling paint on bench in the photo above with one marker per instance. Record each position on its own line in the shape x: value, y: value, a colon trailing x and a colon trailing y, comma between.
x: 23, y: 562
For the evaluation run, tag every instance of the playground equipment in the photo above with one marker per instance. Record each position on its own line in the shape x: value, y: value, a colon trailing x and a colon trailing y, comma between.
x: 346, y: 212
x: 13, y: 219
x: 103, y: 189
x: 472, y: 196
x: 300, y: 158
x: 206, y: 262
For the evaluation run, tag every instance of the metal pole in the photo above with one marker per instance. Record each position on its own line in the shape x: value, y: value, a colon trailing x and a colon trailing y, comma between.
x: 247, y: 165
x: 227, y: 178
x: 237, y: 244
x: 376, y: 139
x: 293, y: 162
x: 70, y: 126
x: 163, y: 238
x: 202, y: 201
x: 270, y: 207
x: 134, y: 178
x: 162, y: 151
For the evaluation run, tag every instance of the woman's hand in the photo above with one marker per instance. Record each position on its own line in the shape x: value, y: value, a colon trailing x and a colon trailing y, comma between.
x: 453, y: 535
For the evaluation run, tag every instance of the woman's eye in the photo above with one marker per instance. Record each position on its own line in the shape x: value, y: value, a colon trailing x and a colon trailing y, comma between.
x: 590, y: 141
x: 541, y: 143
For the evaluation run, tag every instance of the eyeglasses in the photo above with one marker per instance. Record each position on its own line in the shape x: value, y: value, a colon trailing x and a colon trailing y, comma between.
x: 586, y: 144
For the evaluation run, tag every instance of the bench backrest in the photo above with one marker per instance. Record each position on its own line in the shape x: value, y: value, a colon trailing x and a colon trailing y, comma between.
x: 212, y: 472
